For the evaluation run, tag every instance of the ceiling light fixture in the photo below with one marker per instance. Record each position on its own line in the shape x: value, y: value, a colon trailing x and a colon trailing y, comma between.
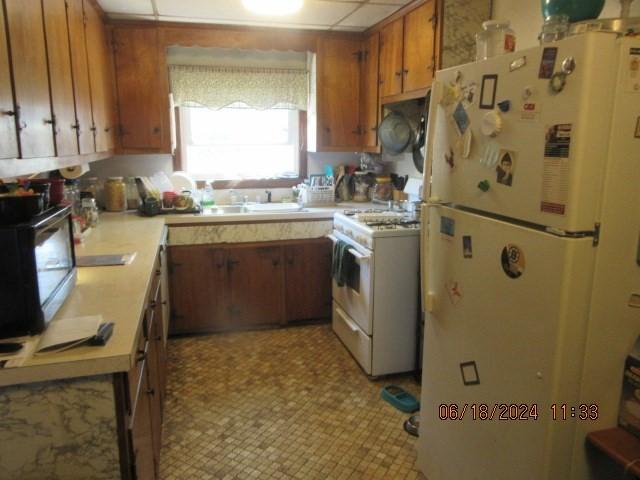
x: 273, y: 7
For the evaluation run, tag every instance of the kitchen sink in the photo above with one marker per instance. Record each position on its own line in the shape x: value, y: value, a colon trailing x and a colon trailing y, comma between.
x: 221, y: 209
x: 273, y: 207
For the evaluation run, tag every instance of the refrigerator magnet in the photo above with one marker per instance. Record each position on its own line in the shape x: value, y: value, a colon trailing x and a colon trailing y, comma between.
x: 449, y: 158
x: 467, y: 246
x: 447, y: 226
x: 548, y: 62
x: 512, y: 260
x: 454, y: 291
x: 506, y: 167
x: 488, y: 92
x: 469, y: 372
x: 461, y: 118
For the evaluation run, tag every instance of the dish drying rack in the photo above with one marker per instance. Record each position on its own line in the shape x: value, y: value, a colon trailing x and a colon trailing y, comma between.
x: 317, y: 195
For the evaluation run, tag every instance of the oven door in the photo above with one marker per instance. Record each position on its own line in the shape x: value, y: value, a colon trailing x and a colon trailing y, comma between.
x: 356, y: 296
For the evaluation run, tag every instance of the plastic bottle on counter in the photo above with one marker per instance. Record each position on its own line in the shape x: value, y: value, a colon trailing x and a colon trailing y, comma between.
x: 115, y: 196
x: 133, y: 197
x: 90, y: 211
x: 207, y: 200
x: 94, y: 186
x: 72, y: 196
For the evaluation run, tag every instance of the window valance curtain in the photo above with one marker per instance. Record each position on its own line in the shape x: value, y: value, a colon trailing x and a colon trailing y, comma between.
x: 217, y: 87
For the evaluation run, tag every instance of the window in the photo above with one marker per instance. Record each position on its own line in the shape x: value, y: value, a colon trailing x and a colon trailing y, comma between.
x: 240, y: 143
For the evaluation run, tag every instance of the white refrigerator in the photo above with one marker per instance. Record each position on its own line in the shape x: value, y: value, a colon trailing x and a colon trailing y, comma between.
x: 531, y: 260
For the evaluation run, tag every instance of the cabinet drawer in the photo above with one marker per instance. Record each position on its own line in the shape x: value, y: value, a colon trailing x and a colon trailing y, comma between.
x: 357, y: 342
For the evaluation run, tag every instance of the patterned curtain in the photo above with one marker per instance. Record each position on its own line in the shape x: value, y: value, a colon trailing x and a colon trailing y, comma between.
x: 259, y: 88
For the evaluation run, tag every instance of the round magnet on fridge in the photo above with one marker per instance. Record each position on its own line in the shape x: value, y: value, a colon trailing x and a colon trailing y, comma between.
x: 491, y: 124
x: 557, y: 82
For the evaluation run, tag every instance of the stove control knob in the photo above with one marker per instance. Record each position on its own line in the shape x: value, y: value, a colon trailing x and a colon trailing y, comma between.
x: 361, y: 239
x: 348, y: 233
x: 339, y: 228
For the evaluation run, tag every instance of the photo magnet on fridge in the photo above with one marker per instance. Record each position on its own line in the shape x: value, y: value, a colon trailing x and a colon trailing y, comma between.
x: 469, y: 372
x: 548, y: 62
x: 506, y: 167
x: 467, y: 246
x: 488, y: 92
x: 512, y: 260
x: 447, y: 226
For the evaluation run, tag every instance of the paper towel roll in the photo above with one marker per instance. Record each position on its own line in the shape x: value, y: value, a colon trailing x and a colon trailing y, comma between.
x: 74, y: 172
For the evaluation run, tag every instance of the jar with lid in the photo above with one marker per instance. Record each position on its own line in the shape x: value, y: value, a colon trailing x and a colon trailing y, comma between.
x: 382, y: 190
x: 133, y: 197
x: 90, y: 211
x: 496, y: 38
x: 72, y: 195
x: 555, y: 27
x: 115, y: 197
x: 94, y: 186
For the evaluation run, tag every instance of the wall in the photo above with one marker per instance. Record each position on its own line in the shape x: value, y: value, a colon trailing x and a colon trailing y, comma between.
x: 147, y: 165
x: 526, y: 17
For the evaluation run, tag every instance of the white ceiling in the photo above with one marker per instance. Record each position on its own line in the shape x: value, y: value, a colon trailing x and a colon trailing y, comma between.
x: 354, y: 15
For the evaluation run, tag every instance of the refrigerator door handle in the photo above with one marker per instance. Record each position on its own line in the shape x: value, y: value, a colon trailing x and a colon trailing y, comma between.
x: 436, y: 97
x: 428, y: 298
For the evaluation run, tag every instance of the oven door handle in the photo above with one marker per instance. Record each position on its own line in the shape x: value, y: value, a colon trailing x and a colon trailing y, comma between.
x: 345, y: 318
x: 358, y: 256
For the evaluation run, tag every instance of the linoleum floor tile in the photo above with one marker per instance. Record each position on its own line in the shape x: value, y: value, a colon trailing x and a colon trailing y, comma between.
x: 279, y: 404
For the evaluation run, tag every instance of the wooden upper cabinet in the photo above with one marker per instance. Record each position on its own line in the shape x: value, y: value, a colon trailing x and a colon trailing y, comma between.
x: 369, y: 99
x: 100, y: 76
x: 8, y: 137
x: 338, y: 90
x: 142, y: 102
x: 390, y: 72
x: 419, y: 56
x: 62, y: 102
x: 31, y: 77
x: 80, y: 70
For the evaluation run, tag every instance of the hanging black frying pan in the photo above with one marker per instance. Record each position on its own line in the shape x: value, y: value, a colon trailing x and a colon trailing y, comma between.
x: 419, y: 146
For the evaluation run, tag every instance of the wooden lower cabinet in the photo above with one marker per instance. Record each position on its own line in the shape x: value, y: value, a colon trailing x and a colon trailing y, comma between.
x: 227, y: 287
x: 308, y: 274
x: 140, y: 393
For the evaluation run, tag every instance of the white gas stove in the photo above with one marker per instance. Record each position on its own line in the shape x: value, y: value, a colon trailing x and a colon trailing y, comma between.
x: 375, y: 312
x: 365, y: 225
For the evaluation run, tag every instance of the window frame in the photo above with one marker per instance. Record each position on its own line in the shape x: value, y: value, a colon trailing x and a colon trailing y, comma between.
x: 178, y: 164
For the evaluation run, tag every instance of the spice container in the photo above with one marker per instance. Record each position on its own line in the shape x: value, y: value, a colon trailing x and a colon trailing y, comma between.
x: 115, y: 197
x: 133, y: 197
x: 90, y: 212
x: 496, y: 38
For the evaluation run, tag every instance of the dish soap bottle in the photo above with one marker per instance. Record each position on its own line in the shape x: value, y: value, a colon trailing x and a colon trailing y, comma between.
x: 207, y: 200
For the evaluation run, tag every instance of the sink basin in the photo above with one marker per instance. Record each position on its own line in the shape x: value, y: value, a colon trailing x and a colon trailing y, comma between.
x: 273, y: 207
x: 229, y: 209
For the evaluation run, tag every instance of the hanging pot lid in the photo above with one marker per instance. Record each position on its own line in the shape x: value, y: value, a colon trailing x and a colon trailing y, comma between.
x: 395, y: 133
x: 419, y: 147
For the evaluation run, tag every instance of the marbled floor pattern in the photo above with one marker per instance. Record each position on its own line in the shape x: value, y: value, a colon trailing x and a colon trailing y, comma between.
x: 279, y: 404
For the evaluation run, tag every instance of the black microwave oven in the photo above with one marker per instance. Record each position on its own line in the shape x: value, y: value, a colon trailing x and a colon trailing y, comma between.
x: 37, y: 271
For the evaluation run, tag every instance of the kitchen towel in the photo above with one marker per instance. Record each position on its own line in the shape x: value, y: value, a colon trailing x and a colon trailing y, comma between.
x: 342, y: 263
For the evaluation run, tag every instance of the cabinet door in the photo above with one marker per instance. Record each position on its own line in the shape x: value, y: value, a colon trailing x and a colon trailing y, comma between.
x: 100, y: 76
x: 256, y: 279
x: 138, y: 76
x: 8, y: 137
x: 30, y: 77
x: 369, y: 99
x: 308, y: 280
x: 62, y: 101
x: 199, y: 289
x: 153, y: 392
x: 338, y: 77
x: 80, y: 70
x: 419, y: 44
x: 390, y: 72
x: 141, y: 429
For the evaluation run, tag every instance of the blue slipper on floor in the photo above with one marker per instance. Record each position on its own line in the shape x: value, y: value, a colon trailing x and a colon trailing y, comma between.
x: 400, y: 398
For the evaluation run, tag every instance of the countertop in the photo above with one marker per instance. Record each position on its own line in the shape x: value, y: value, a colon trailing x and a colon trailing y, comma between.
x: 307, y: 213
x: 118, y: 293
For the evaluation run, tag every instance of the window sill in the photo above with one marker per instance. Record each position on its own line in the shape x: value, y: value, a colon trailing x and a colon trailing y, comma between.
x: 254, y: 183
